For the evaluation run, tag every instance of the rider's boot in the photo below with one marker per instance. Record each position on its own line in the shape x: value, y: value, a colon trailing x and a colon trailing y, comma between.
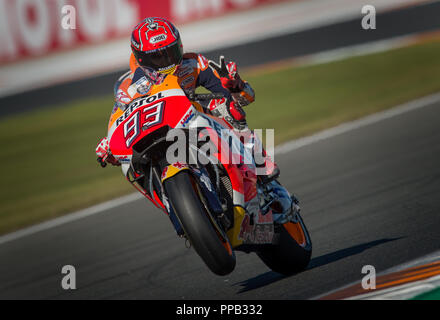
x: 267, y: 169
x: 271, y: 170
x: 235, y: 115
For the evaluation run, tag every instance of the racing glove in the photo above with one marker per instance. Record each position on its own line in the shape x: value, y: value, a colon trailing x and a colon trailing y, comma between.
x: 230, y: 112
x: 104, y: 154
x: 228, y: 75
x: 241, y: 91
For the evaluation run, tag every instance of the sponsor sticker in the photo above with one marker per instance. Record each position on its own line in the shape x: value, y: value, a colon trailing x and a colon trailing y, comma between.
x: 143, y: 86
x: 179, y: 165
x: 123, y: 159
x: 187, y: 81
x: 255, y: 233
x: 122, y: 97
x: 158, y: 38
x: 184, y: 71
x: 164, y: 173
x: 135, y: 44
x: 172, y: 170
x: 187, y: 118
x: 206, y: 181
x: 265, y: 218
x: 203, y: 62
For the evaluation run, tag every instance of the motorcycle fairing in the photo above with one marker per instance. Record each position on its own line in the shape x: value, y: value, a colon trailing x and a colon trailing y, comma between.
x: 145, y: 114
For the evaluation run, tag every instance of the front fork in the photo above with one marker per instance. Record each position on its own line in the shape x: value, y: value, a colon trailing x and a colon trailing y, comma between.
x: 207, y: 190
x: 145, y: 184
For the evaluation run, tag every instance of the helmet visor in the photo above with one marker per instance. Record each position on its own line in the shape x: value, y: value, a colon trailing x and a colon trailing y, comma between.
x: 162, y: 59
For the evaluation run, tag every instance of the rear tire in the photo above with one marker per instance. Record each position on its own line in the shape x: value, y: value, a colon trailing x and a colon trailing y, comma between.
x: 213, y: 247
x: 288, y: 256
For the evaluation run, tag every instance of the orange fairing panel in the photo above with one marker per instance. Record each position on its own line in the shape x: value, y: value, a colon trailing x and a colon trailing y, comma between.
x: 170, y: 82
x: 296, y: 232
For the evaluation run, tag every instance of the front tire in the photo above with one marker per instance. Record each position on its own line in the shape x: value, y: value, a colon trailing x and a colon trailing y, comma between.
x: 210, y: 244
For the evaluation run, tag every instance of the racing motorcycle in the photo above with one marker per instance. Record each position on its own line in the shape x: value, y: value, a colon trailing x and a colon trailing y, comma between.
x: 219, y: 206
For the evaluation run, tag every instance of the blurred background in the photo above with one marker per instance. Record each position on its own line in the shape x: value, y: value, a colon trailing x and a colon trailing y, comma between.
x: 311, y: 62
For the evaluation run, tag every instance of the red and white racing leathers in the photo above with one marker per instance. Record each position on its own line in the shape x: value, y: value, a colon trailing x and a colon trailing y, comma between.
x: 194, y: 71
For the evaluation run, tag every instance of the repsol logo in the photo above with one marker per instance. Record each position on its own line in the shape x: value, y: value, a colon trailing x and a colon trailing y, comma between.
x: 158, y: 38
x: 136, y: 104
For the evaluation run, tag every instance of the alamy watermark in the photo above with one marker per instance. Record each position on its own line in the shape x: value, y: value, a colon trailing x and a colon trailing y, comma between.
x: 68, y: 20
x: 68, y: 282
x: 219, y: 145
x: 369, y: 281
x: 369, y: 20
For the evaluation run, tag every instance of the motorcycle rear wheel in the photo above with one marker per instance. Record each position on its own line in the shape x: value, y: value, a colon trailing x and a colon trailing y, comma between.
x: 210, y: 244
x: 293, y: 252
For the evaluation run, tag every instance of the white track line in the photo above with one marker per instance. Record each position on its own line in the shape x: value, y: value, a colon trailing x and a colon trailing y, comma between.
x: 363, y: 49
x: 356, y: 124
x: 282, y: 149
x: 402, y: 292
x: 70, y: 217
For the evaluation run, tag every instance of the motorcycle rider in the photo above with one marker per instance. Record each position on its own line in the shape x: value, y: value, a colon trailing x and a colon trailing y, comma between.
x: 157, y: 51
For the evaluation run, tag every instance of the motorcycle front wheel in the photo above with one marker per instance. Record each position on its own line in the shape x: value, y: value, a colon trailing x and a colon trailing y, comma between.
x: 209, y: 243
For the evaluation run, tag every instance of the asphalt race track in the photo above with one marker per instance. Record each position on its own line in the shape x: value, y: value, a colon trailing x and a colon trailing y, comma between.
x: 421, y: 18
x: 369, y: 196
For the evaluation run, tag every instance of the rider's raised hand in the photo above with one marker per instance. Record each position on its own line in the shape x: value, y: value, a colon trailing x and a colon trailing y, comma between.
x: 228, y: 74
x: 220, y: 67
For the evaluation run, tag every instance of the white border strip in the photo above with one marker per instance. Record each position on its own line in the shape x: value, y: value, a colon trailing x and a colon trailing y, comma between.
x: 282, y: 149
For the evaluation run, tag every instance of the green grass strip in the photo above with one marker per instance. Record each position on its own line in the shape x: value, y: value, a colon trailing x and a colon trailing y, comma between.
x: 430, y: 295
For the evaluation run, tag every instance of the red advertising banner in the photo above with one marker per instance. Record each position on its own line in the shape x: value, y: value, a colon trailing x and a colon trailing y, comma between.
x: 30, y: 28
